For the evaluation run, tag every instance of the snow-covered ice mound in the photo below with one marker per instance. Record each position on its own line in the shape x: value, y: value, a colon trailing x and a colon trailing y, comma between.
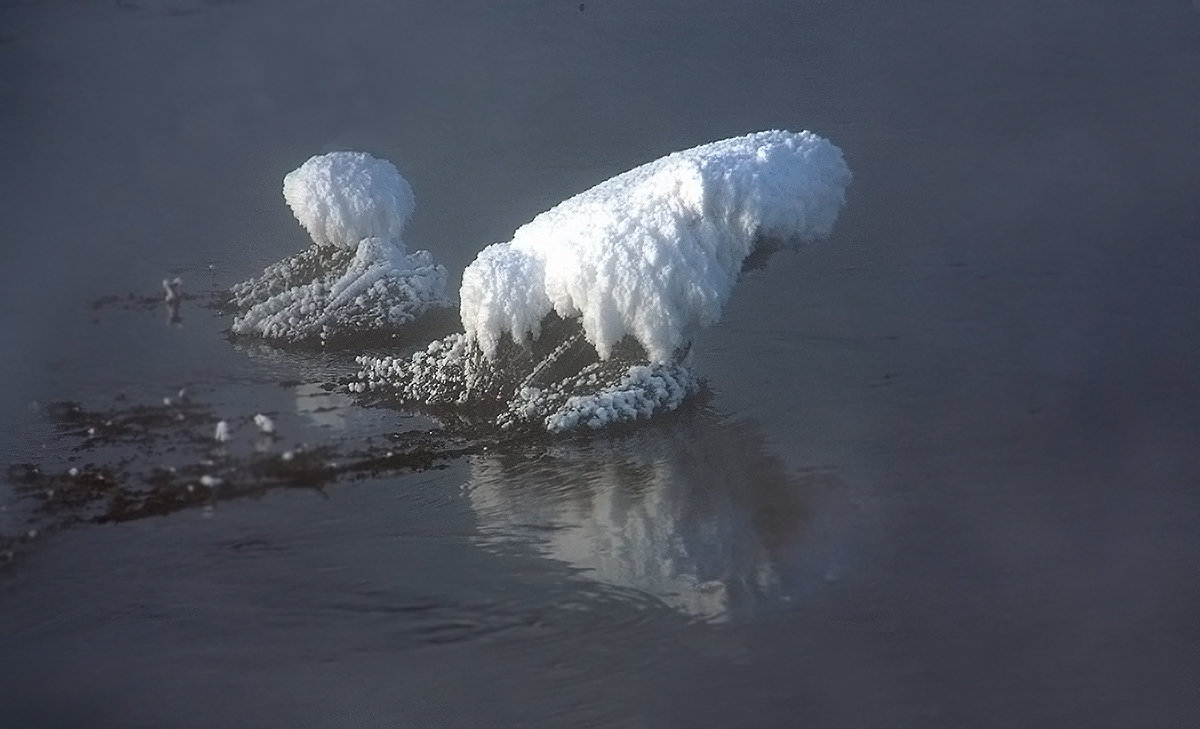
x: 586, y: 317
x: 654, y: 253
x: 357, y: 277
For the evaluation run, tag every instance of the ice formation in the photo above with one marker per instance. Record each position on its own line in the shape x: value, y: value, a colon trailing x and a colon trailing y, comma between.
x: 357, y: 277
x: 561, y: 389
x: 266, y: 426
x: 654, y: 253
x: 586, y: 317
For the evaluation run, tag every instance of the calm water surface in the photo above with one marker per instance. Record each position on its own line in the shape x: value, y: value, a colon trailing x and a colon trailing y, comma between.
x: 947, y: 472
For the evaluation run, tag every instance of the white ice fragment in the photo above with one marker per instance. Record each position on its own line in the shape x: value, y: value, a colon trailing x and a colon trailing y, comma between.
x: 222, y: 432
x: 265, y: 424
x: 287, y: 456
x: 167, y: 401
x: 654, y: 252
x: 72, y: 472
x: 210, y: 481
x: 343, y: 197
x: 171, y: 289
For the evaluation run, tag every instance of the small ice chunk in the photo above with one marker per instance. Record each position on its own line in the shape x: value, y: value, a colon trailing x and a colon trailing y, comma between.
x: 265, y: 424
x: 586, y: 317
x: 210, y: 481
x: 222, y: 432
x: 171, y: 289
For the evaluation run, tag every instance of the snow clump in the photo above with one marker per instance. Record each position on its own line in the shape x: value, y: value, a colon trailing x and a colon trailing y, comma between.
x: 357, y: 277
x: 655, y: 252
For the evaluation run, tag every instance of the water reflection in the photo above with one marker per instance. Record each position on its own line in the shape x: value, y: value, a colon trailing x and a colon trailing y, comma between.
x: 323, y: 407
x: 695, y: 512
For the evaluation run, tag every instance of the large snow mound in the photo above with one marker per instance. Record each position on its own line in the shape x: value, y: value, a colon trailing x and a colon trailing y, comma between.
x: 357, y: 278
x: 655, y: 252
x: 343, y: 197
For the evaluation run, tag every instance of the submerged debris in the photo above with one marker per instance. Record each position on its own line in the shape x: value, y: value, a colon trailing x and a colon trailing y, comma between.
x: 145, y: 461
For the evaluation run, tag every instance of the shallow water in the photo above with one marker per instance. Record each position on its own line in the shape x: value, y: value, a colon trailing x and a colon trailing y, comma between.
x: 945, y: 474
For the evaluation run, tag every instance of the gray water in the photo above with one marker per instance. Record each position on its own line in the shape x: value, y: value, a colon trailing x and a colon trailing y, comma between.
x: 946, y: 472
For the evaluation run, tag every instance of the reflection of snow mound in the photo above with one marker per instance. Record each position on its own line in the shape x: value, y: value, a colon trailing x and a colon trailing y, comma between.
x: 696, y: 514
x: 624, y: 275
x: 557, y: 387
x: 358, y: 277
x: 654, y: 253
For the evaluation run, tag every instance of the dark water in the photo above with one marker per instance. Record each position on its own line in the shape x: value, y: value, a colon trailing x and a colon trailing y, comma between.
x: 948, y: 472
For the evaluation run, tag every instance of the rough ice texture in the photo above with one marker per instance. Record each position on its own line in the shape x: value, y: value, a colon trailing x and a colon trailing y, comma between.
x: 654, y: 253
x: 357, y: 278
x: 558, y: 385
x: 343, y: 197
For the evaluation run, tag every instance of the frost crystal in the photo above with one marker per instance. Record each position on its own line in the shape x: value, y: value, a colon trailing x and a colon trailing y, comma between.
x: 266, y: 426
x: 558, y: 383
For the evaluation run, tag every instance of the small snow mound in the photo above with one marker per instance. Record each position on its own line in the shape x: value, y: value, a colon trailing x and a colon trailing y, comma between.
x: 358, y: 277
x: 343, y: 197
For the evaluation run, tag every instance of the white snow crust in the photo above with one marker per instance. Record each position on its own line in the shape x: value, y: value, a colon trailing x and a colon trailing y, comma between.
x: 343, y: 197
x: 357, y: 277
x: 655, y: 252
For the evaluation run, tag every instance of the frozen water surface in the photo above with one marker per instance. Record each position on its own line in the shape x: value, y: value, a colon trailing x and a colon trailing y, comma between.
x: 942, y: 471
